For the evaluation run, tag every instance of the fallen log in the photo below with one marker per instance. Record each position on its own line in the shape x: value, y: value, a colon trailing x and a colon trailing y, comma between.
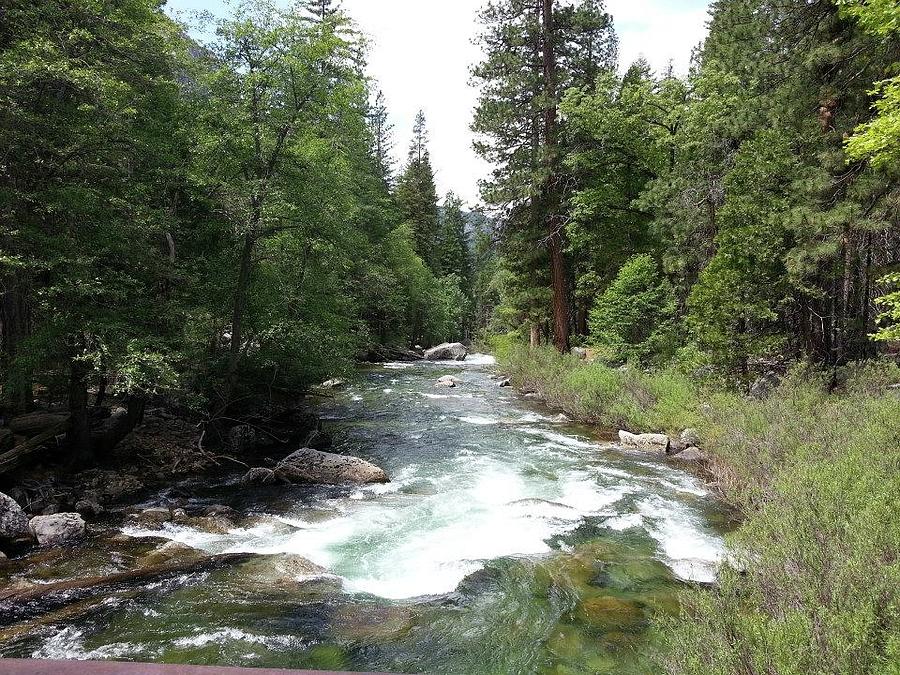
x: 36, y: 423
x: 11, y: 459
x: 13, y: 605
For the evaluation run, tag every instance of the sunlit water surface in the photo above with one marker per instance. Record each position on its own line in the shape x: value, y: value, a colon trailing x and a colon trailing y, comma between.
x: 508, y: 541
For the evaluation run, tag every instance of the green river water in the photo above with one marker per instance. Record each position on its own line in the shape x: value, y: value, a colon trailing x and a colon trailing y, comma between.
x: 508, y: 541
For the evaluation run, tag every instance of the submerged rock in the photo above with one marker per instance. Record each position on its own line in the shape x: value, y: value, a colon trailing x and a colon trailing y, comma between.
x: 609, y: 613
x: 283, y: 569
x: 649, y: 442
x: 449, y: 351
x: 57, y: 529
x: 13, y: 521
x: 313, y: 466
x: 171, y: 552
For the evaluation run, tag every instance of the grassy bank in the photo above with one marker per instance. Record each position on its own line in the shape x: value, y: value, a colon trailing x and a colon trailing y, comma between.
x: 815, y: 471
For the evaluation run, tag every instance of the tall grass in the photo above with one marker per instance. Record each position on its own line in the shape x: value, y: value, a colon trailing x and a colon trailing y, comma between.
x: 814, y: 582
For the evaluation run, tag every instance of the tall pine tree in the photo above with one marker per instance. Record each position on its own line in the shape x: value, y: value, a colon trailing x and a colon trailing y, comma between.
x: 417, y: 195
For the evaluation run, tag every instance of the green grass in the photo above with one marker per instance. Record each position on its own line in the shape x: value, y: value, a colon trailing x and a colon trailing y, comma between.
x: 815, y: 471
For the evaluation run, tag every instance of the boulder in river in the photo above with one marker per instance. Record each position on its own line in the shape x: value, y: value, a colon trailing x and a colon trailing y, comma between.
x: 449, y: 351
x: 335, y: 383
x: 448, y: 381
x: 504, y: 383
x: 13, y: 521
x: 324, y: 468
x: 649, y: 442
x: 57, y: 529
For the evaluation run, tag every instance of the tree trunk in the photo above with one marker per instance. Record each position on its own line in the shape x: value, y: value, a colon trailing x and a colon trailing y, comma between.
x: 535, y: 336
x: 237, y: 320
x: 14, y: 327
x: 79, y: 436
x: 556, y: 233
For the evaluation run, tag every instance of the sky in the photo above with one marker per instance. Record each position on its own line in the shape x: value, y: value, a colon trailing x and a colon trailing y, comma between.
x: 421, y: 52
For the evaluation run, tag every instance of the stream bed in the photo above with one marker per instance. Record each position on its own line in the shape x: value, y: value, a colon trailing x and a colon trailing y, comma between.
x: 509, y: 541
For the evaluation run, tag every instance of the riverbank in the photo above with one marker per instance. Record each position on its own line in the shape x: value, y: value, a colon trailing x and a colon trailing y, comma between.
x: 815, y: 471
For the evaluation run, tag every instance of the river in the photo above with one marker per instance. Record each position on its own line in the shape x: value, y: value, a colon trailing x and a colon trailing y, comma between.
x: 509, y: 541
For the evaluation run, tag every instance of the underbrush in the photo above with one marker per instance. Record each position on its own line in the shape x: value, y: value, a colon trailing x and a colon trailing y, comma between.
x: 813, y: 585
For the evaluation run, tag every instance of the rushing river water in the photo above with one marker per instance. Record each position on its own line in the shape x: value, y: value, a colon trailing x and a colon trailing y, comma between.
x: 508, y: 541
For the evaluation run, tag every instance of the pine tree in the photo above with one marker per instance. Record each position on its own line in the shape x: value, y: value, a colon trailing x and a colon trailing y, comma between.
x: 417, y: 195
x: 535, y: 49
x: 321, y: 9
x: 453, y: 254
x: 382, y: 132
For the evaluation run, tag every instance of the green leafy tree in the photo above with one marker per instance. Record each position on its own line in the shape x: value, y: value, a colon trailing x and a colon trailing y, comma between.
x: 633, y: 320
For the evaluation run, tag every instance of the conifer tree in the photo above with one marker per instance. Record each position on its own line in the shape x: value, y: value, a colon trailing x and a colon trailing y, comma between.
x: 535, y: 49
x: 453, y: 252
x: 417, y: 195
x: 382, y: 132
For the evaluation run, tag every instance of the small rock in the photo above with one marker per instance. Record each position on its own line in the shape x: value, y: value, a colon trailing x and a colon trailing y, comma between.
x: 449, y: 351
x: 57, y: 529
x: 242, y: 439
x: 3, y: 557
x: 88, y: 507
x: 690, y: 437
x: 179, y: 516
x: 154, y: 516
x: 448, y: 381
x: 505, y: 383
x: 533, y: 396
x: 220, y: 510
x: 765, y: 385
x: 560, y: 419
x: 579, y: 353
x: 651, y: 442
x: 334, y: 384
x: 13, y: 521
x: 692, y: 454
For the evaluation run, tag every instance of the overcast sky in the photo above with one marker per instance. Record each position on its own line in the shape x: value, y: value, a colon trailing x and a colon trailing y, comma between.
x: 422, y: 50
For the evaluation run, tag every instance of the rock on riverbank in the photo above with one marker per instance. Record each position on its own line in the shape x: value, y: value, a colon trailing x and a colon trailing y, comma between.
x: 312, y: 466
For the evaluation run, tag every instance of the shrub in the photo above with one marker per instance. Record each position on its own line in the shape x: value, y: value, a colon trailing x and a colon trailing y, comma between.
x: 633, y: 320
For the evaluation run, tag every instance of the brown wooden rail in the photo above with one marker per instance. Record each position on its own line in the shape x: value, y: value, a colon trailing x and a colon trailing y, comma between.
x: 38, y: 667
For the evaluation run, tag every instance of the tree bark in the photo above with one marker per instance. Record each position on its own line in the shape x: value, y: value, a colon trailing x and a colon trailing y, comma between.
x: 14, y: 327
x: 79, y: 436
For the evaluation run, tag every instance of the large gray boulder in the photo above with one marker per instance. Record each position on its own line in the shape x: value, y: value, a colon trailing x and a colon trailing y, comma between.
x: 324, y: 468
x: 449, y: 351
x: 13, y: 521
x: 57, y: 529
x: 647, y: 442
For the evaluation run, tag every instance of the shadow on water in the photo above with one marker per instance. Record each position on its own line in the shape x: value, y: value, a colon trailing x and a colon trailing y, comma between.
x: 507, y: 542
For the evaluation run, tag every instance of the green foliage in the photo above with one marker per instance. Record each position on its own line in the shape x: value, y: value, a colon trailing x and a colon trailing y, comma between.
x: 664, y: 400
x: 417, y: 196
x: 890, y: 317
x: 633, y: 320
x: 813, y: 585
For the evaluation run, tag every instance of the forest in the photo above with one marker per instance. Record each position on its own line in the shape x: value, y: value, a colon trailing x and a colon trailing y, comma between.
x: 200, y: 218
